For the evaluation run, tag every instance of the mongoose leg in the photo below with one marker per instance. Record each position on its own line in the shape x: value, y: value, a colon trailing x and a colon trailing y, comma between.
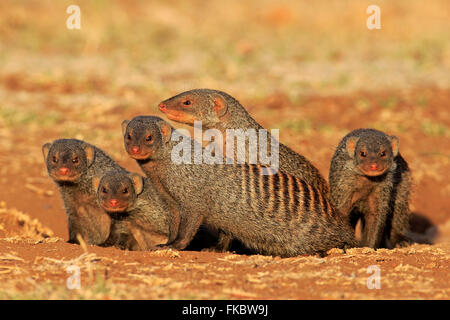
x: 174, y: 210
x: 373, y: 232
x: 74, y: 229
x: 375, y: 222
x: 344, y: 205
x: 174, y: 223
x: 224, y: 242
x: 186, y: 232
x: 400, y: 235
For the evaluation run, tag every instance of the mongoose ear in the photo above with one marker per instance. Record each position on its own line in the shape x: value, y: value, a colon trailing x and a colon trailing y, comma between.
x: 89, y: 154
x: 395, y: 143
x: 220, y: 106
x: 351, y: 146
x: 124, y: 126
x: 138, y: 182
x: 166, y: 131
x: 96, y: 183
x: 45, y: 150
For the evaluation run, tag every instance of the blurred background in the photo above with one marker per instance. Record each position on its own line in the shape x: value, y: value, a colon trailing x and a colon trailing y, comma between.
x: 252, y: 48
x: 309, y: 68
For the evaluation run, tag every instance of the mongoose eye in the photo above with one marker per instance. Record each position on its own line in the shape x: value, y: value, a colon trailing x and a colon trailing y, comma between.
x: 75, y: 160
x: 104, y: 190
x: 128, y: 136
x: 383, y: 154
x: 125, y: 191
x: 149, y: 138
x: 54, y: 160
x: 363, y: 154
x: 187, y: 102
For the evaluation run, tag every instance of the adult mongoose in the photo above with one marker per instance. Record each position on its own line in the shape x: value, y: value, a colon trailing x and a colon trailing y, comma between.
x: 139, y: 216
x: 276, y: 214
x: 206, y: 235
x: 72, y: 164
x: 219, y: 110
x: 370, y: 180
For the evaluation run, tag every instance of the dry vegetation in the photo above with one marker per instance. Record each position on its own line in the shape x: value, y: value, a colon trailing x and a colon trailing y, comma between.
x: 309, y: 68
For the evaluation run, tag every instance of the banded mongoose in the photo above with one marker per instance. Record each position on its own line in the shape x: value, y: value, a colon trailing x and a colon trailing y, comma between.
x: 219, y: 110
x: 370, y: 180
x: 276, y: 214
x: 72, y: 164
x: 139, y: 216
x: 205, y: 237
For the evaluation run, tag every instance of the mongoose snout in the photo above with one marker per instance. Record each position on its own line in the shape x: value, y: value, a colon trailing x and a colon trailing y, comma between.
x: 65, y: 164
x: 139, y: 141
x: 115, y: 195
x: 373, y: 156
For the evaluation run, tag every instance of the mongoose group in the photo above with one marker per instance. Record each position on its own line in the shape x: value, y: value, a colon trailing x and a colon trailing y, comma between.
x: 286, y: 212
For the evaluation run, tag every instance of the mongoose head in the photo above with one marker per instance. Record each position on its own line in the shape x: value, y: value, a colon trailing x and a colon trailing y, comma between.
x: 67, y: 159
x: 206, y: 105
x: 373, y: 153
x: 118, y: 191
x: 145, y: 137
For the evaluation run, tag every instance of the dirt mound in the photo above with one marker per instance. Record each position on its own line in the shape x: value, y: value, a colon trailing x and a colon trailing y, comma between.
x: 16, y: 224
x: 41, y: 270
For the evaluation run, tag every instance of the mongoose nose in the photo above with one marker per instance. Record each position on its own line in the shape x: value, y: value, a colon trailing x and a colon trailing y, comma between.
x: 135, y: 150
x: 162, y: 106
x: 113, y: 202
x: 373, y: 167
x: 63, y: 171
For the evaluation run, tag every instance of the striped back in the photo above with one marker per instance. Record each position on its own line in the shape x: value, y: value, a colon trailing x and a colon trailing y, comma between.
x: 283, y: 194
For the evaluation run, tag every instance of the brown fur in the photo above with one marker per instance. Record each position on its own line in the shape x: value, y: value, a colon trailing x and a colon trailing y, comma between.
x: 370, y: 180
x: 219, y: 110
x: 138, y: 215
x: 238, y: 200
x: 81, y: 162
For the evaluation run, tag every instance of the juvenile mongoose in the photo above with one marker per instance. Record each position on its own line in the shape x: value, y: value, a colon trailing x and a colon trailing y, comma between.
x: 219, y: 110
x: 276, y: 214
x: 139, y: 216
x: 72, y: 164
x: 369, y: 179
